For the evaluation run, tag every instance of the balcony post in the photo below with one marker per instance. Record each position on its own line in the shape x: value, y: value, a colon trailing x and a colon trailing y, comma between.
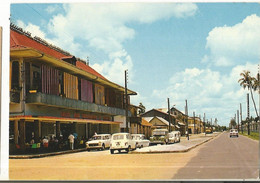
x: 58, y: 130
x: 22, y: 133
x: 36, y: 131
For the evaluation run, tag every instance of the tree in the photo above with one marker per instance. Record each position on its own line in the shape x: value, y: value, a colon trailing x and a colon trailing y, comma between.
x: 233, y: 123
x: 256, y: 83
x: 246, y: 82
x: 141, y: 108
x: 256, y: 86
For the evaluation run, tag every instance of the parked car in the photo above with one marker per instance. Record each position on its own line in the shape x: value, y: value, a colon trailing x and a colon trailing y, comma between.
x: 140, y: 140
x: 208, y: 130
x: 99, y: 141
x: 159, y: 136
x: 121, y: 141
x: 174, y: 136
x: 233, y: 132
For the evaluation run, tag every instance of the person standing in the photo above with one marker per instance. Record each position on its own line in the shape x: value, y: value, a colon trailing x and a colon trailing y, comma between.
x: 187, y: 134
x: 71, y: 140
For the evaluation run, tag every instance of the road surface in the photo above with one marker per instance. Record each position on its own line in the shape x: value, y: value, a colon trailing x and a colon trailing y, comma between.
x: 220, y: 158
x: 223, y: 158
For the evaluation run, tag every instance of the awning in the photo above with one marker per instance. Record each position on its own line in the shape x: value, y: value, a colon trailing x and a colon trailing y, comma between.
x: 51, y: 119
x: 180, y: 123
x: 177, y: 126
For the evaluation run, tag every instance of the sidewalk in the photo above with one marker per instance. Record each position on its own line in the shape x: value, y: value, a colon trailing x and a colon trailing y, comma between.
x: 184, y: 146
x: 30, y: 156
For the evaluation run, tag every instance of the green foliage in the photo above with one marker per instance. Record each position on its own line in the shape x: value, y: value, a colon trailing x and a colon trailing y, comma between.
x: 233, y: 123
x: 253, y: 135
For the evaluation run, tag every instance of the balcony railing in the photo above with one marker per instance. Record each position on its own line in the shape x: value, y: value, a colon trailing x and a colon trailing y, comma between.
x: 58, y: 101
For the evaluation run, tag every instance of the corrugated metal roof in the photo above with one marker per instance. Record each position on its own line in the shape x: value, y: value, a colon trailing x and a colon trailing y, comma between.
x: 17, y: 39
x: 145, y: 123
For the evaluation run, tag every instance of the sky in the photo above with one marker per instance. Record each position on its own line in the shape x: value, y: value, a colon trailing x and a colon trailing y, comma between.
x: 189, y: 51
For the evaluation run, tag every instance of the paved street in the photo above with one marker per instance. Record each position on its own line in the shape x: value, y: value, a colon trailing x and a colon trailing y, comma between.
x: 216, y: 159
x: 223, y: 158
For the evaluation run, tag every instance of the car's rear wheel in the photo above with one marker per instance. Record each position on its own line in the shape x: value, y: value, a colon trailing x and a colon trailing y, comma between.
x: 103, y: 147
x: 128, y: 149
x: 111, y: 151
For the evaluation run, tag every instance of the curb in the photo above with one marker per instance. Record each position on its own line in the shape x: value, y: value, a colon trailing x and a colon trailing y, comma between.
x: 31, y: 156
x: 174, y: 151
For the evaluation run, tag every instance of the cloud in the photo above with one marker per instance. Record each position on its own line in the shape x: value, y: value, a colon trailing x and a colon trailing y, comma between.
x: 105, y: 27
x: 33, y: 29
x: 207, y: 91
x: 51, y: 9
x: 230, y: 45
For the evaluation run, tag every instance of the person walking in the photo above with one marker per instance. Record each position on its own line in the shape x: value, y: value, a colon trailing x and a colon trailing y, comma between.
x: 71, y: 139
x: 187, y: 134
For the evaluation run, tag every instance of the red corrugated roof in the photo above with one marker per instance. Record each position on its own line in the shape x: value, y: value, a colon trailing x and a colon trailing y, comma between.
x: 20, y: 40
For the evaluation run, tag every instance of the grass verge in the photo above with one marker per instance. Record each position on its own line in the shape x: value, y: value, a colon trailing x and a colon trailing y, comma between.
x: 253, y: 135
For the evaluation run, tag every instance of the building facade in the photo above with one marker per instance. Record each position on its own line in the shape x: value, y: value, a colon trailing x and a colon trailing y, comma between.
x: 54, y: 93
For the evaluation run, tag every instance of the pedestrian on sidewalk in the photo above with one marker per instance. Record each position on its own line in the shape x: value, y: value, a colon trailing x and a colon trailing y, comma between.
x: 71, y: 139
x: 187, y: 134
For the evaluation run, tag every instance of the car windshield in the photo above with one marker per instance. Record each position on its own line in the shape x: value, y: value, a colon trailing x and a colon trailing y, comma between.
x: 159, y: 133
x: 118, y: 137
x: 135, y: 137
x: 97, y: 138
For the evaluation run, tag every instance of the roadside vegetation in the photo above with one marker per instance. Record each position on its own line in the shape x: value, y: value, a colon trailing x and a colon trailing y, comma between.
x: 253, y: 135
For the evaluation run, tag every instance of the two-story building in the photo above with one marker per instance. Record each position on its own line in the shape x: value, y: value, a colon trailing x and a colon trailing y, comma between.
x: 195, y: 125
x: 159, y: 118
x: 53, y: 92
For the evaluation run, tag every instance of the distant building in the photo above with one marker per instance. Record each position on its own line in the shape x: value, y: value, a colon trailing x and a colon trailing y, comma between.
x: 53, y: 92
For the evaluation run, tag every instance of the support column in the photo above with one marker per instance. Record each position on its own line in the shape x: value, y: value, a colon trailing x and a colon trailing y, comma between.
x: 36, y: 131
x: 16, y: 132
x: 58, y: 129
x: 22, y: 133
x: 74, y: 127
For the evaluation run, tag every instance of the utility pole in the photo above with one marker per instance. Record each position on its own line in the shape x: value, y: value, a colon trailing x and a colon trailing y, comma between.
x: 241, y: 117
x: 126, y: 102
x: 169, y: 114
x: 194, y: 121
x: 187, y: 120
x: 200, y: 123
x: 211, y: 124
x: 248, y: 126
x: 204, y: 121
x: 238, y: 120
x: 235, y: 119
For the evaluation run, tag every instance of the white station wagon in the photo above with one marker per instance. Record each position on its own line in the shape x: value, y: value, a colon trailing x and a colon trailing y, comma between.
x: 140, y: 140
x: 121, y: 141
x: 100, y: 141
x: 174, y: 136
x: 233, y: 132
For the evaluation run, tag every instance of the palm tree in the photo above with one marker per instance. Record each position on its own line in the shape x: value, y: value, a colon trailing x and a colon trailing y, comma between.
x: 256, y: 83
x: 256, y: 86
x: 246, y: 82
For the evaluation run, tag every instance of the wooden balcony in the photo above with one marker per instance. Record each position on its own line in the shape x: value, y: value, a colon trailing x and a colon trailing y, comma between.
x: 62, y: 102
